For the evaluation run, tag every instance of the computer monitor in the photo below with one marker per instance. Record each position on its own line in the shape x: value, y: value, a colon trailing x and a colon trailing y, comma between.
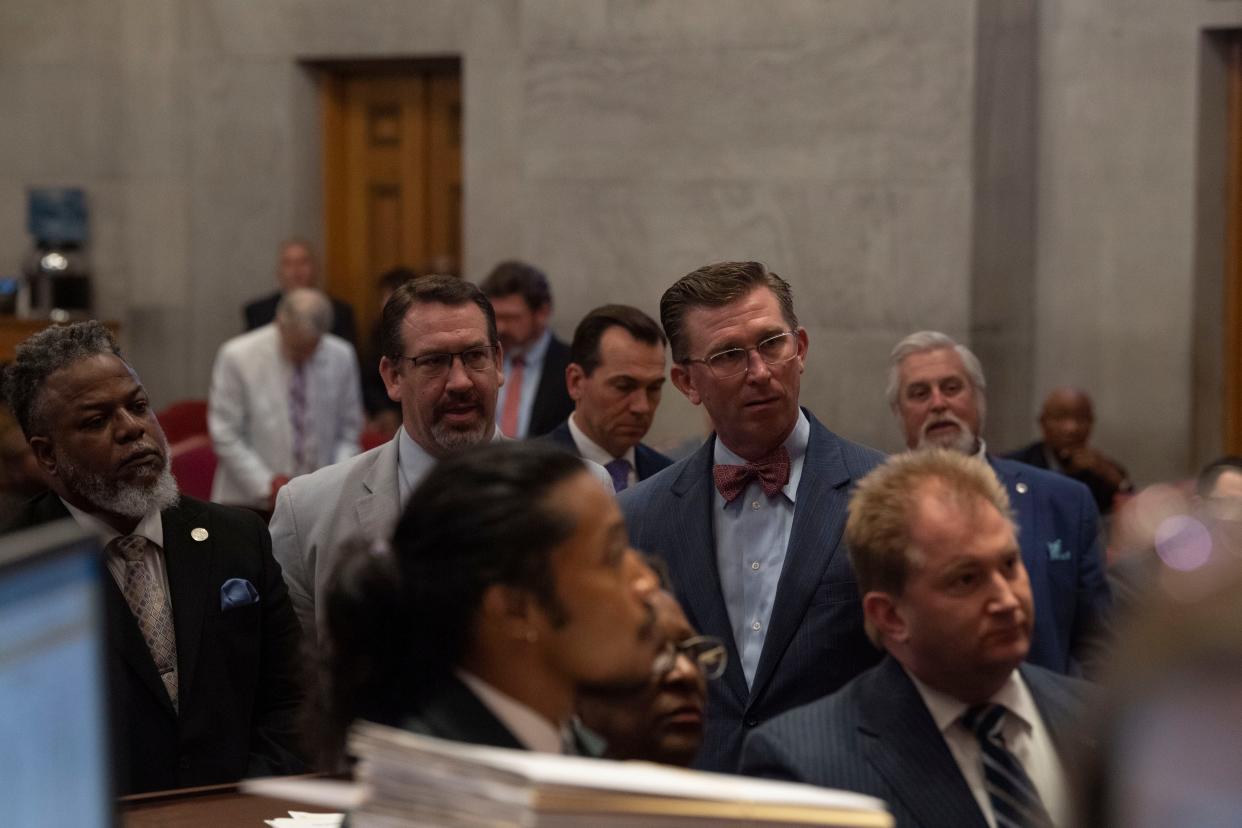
x: 54, y: 763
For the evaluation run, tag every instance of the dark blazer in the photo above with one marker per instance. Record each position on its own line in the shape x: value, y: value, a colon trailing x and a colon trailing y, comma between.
x: 262, y: 311
x: 552, y: 401
x: 815, y: 641
x: 647, y: 461
x: 1101, y: 490
x: 1058, y: 530
x: 876, y: 736
x: 238, y: 669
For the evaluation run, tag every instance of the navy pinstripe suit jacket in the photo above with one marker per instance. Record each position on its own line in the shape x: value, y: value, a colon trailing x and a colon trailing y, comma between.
x: 876, y: 736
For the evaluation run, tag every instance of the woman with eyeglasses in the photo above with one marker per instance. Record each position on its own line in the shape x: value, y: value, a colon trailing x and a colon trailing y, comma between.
x: 662, y: 722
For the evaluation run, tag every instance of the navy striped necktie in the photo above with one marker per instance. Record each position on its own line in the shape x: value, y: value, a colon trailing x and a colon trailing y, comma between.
x: 1015, y: 801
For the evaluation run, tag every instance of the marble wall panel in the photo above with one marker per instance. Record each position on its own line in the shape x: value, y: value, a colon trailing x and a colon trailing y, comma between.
x: 882, y: 108
x: 49, y: 32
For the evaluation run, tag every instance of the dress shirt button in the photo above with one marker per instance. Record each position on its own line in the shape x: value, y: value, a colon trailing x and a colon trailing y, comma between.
x: 754, y: 565
x: 754, y: 504
x: 755, y: 626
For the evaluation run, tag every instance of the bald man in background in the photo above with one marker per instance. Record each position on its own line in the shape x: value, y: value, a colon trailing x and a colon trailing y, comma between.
x: 1066, y: 420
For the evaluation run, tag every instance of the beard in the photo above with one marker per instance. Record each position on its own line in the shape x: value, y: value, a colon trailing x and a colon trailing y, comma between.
x: 961, y: 440
x: 131, y: 500
x: 452, y: 439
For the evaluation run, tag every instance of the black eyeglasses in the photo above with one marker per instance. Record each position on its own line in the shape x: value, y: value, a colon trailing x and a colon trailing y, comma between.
x: 707, y: 652
x: 478, y: 358
x: 774, y: 350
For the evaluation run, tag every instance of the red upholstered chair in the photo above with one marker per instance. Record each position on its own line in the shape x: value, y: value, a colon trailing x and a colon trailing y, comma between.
x: 370, y: 438
x: 184, y: 419
x: 194, y: 465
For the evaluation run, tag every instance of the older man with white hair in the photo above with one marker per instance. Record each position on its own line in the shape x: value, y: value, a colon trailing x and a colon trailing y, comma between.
x: 936, y: 390
x: 285, y: 400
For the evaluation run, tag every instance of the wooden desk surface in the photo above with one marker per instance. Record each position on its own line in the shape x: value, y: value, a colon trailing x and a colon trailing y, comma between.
x: 215, y: 806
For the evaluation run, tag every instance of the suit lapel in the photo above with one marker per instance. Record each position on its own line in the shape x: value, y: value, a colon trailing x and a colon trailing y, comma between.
x: 188, y: 563
x: 378, y: 509
x: 455, y: 713
x: 814, y: 539
x: 694, y: 566
x: 901, y: 741
x: 126, y: 640
x: 1026, y: 509
x: 1061, y: 710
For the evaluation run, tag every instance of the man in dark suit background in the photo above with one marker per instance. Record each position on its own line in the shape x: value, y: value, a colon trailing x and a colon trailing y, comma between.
x: 296, y: 267
x: 751, y: 523
x: 936, y: 389
x: 950, y: 728
x: 1066, y: 420
x: 615, y: 378
x: 202, y: 638
x: 533, y: 398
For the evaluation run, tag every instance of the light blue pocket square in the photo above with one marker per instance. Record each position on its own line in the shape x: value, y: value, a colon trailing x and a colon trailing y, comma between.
x: 237, y: 592
x: 1056, y: 552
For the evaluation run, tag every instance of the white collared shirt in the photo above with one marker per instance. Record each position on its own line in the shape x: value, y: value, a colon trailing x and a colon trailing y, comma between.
x: 528, y: 727
x: 593, y: 451
x: 413, y: 462
x: 150, y: 527
x: 1025, y: 736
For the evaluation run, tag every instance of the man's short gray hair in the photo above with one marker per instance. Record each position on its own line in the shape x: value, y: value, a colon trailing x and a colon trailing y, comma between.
x: 305, y: 309
x: 42, y: 355
x: 923, y: 341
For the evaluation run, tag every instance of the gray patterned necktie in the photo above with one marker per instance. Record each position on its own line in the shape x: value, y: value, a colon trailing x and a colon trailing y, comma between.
x: 147, y: 601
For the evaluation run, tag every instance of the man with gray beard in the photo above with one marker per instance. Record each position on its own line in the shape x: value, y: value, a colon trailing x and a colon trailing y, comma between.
x: 441, y: 360
x: 202, y: 652
x: 936, y: 391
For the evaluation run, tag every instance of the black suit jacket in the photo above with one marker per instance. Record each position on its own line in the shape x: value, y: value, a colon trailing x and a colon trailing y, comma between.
x: 239, y: 674
x: 262, y: 311
x: 876, y: 736
x: 452, y: 711
x: 552, y: 402
x: 1102, y: 491
x: 647, y: 461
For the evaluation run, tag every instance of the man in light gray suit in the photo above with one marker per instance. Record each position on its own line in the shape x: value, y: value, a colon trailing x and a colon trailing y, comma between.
x: 750, y: 524
x: 442, y: 363
x: 285, y: 400
x: 952, y: 728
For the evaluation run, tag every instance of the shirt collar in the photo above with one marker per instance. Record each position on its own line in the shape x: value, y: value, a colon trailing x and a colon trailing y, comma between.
x: 982, y: 452
x: 533, y: 353
x: 150, y: 527
x: 592, y: 450
x: 795, y: 444
x: 527, y: 726
x: 414, y: 462
x: 946, y: 710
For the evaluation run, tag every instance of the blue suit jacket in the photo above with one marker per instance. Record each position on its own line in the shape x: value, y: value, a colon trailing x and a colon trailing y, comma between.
x: 647, y: 461
x: 1058, y: 530
x: 876, y: 737
x: 815, y: 641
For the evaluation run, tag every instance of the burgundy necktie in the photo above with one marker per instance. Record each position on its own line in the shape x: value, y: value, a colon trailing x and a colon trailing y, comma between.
x: 772, y: 471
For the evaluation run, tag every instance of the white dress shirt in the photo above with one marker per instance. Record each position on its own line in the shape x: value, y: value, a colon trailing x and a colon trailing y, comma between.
x: 1024, y: 735
x: 528, y: 727
x: 150, y: 527
x: 594, y: 452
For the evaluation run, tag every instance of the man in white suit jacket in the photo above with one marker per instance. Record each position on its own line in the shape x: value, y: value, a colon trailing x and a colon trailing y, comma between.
x: 442, y: 362
x: 285, y: 400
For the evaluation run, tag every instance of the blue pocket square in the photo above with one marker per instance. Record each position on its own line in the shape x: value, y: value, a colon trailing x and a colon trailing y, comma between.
x: 1056, y: 552
x: 237, y: 592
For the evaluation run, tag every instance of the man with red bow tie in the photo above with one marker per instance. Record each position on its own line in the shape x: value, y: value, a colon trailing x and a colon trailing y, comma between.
x: 751, y: 523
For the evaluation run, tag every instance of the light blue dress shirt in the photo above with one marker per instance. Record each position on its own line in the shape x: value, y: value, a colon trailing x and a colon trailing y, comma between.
x: 752, y: 534
x: 530, y: 381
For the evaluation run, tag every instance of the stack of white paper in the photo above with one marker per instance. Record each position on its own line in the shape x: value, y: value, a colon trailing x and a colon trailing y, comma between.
x: 419, y: 781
